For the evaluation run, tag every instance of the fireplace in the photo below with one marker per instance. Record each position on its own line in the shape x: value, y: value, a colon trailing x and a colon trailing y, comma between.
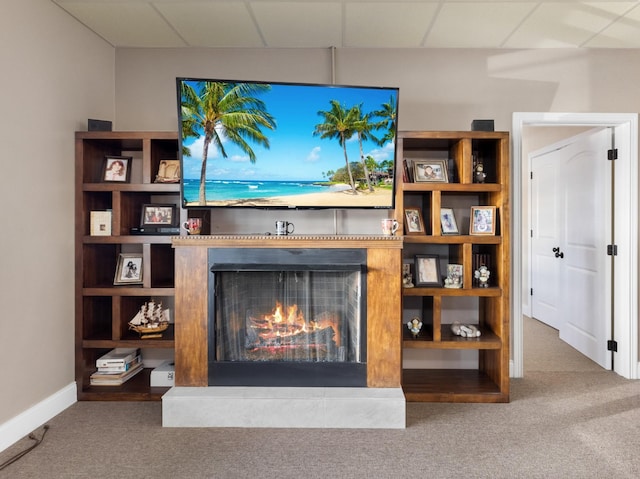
x: 287, y: 317
x: 368, y: 263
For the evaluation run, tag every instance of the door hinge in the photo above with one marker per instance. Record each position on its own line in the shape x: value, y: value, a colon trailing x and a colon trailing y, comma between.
x: 531, y: 292
x: 612, y: 345
x: 531, y: 175
x: 612, y: 250
x: 612, y: 154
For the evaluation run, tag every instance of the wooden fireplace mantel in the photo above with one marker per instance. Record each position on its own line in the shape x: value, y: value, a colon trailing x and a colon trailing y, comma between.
x: 384, y: 259
x: 290, y: 241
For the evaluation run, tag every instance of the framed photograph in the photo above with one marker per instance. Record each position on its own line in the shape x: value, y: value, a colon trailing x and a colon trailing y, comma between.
x: 168, y: 171
x: 413, y: 224
x: 448, y: 222
x: 100, y: 223
x: 427, y: 268
x: 158, y: 215
x: 430, y: 171
x: 129, y: 269
x: 483, y: 220
x: 117, y: 169
x: 454, y: 276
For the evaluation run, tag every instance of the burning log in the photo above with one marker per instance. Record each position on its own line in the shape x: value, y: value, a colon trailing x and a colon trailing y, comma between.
x: 288, y: 336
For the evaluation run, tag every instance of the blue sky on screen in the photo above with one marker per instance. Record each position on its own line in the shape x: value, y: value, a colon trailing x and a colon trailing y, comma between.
x: 294, y: 153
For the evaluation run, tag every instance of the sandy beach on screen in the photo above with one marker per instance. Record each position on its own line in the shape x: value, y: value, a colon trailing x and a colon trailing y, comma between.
x: 379, y: 197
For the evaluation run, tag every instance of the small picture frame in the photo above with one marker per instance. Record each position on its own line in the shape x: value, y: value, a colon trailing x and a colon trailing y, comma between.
x: 427, y: 268
x: 454, y: 277
x: 158, y: 215
x: 129, y: 269
x: 448, y: 222
x: 100, y: 223
x: 413, y: 224
x: 483, y: 220
x: 168, y: 171
x: 430, y: 171
x: 117, y: 169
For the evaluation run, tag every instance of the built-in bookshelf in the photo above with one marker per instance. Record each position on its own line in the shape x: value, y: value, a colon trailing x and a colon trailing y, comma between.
x: 443, y: 174
x: 102, y: 308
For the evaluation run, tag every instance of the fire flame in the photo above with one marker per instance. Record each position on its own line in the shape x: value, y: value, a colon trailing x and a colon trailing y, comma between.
x: 281, y: 324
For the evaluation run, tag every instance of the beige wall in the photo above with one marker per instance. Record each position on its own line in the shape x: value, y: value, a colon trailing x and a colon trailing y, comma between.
x: 55, y: 75
x: 442, y: 89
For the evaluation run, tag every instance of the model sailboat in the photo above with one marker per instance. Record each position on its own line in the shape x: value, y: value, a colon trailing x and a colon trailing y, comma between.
x: 151, y: 321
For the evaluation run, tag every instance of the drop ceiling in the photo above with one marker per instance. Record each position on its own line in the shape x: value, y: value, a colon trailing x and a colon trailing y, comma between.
x: 517, y: 24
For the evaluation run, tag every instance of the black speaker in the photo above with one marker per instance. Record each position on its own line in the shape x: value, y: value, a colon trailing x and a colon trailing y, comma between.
x: 482, y: 125
x: 99, y: 125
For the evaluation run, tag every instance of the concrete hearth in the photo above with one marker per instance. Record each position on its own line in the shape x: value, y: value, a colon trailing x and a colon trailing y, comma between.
x: 365, y: 408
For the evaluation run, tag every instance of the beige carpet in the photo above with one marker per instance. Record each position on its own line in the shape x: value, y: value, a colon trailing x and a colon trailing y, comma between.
x: 544, y: 351
x: 566, y: 419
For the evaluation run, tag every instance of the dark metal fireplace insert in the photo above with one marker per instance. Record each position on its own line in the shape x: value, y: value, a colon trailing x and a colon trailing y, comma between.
x: 287, y: 317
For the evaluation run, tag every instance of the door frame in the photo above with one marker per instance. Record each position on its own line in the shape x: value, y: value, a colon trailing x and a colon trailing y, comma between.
x: 626, y: 218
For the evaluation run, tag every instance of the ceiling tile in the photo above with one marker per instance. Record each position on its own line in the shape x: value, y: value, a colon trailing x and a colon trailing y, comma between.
x: 299, y: 24
x: 476, y: 25
x: 387, y: 24
x: 623, y: 33
x: 519, y: 24
x: 212, y: 24
x: 124, y: 24
x: 565, y: 24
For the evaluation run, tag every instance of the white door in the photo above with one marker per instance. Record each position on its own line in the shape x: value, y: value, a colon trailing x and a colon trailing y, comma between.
x: 574, y: 275
x: 546, y: 222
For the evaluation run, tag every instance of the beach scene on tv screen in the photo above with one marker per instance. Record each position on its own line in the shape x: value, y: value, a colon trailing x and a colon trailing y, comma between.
x: 286, y: 145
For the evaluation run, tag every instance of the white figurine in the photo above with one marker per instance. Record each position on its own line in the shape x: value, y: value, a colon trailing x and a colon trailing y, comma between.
x: 482, y: 275
x: 415, y: 325
x: 407, y: 281
x: 480, y: 175
x: 465, y: 330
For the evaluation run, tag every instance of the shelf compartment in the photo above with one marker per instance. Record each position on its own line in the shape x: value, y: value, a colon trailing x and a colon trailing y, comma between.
x: 129, y: 307
x: 131, y: 204
x: 99, y: 264
x: 448, y: 340
x: 96, y: 317
x: 450, y: 385
x: 135, y: 389
x: 162, y: 266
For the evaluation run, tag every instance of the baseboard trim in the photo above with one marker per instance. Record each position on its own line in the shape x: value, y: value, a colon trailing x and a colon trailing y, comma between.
x: 21, y: 425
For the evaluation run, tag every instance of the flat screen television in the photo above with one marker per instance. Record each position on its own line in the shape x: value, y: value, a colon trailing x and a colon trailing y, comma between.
x: 286, y: 145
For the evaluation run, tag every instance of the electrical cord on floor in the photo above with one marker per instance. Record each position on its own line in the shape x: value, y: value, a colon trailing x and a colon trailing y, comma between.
x: 37, y: 442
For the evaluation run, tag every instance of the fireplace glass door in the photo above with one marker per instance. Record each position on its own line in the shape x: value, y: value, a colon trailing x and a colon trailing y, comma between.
x: 288, y: 324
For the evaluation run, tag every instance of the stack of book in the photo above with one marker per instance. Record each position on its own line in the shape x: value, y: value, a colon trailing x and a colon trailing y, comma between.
x: 116, y: 367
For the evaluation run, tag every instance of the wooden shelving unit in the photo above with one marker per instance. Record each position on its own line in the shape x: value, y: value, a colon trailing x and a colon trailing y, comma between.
x: 438, y: 307
x: 103, y: 310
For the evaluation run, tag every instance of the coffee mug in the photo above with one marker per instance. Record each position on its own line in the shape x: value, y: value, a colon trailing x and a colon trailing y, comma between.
x: 193, y: 226
x: 389, y: 226
x: 282, y: 228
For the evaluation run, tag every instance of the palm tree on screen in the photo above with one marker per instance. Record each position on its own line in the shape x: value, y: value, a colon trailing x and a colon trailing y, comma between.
x: 229, y: 111
x: 339, y: 124
x: 389, y: 116
x: 364, y: 127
